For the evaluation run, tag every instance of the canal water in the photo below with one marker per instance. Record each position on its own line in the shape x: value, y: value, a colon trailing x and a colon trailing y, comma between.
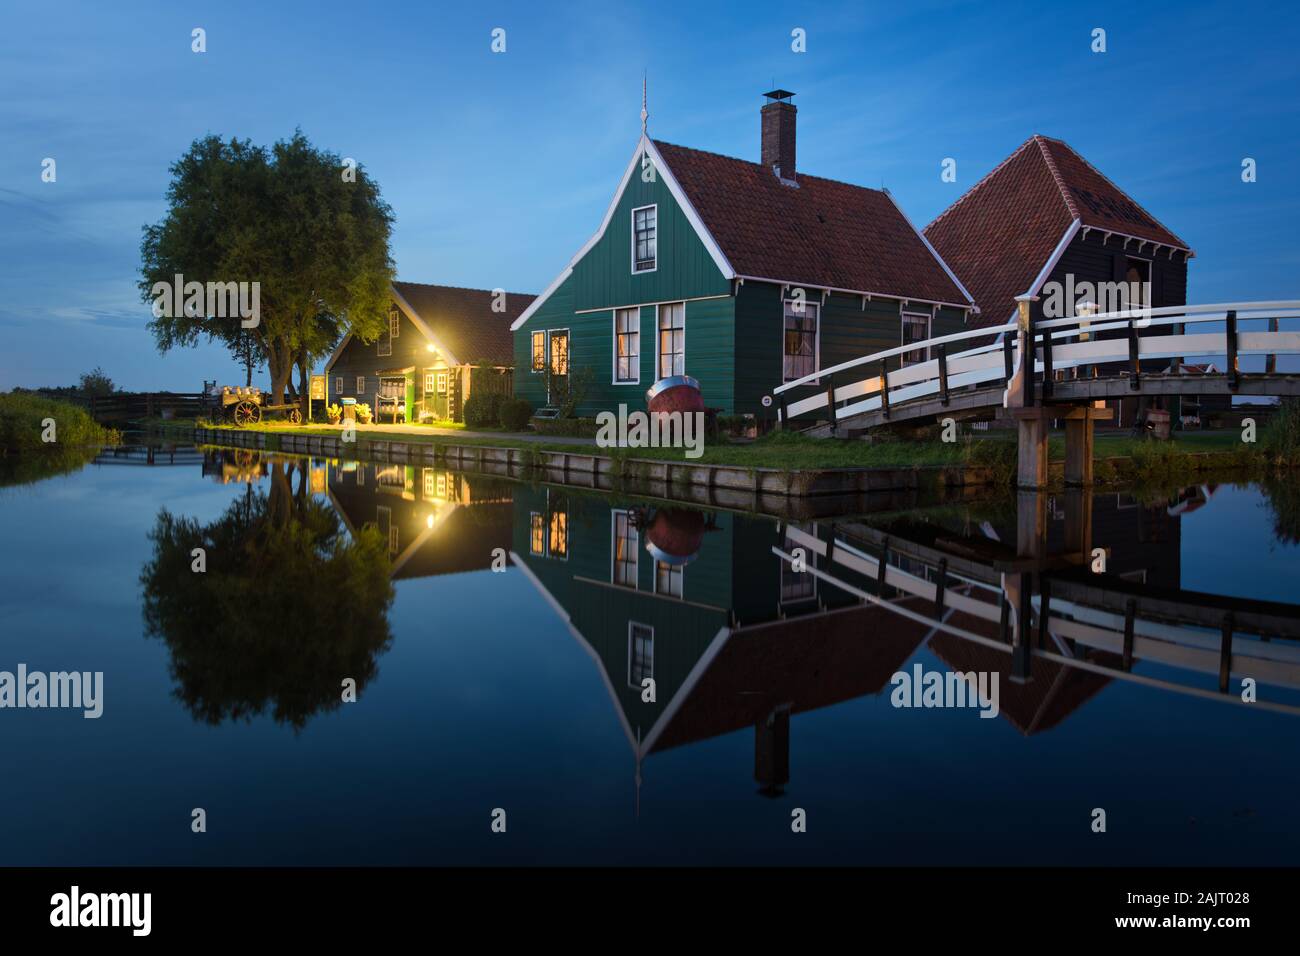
x: 499, y: 635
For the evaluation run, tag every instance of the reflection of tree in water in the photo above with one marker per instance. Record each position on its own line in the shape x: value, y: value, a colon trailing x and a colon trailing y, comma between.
x: 289, y: 605
x: 1283, y: 498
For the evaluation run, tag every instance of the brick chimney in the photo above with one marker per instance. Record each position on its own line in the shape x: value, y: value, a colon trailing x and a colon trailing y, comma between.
x: 778, y: 133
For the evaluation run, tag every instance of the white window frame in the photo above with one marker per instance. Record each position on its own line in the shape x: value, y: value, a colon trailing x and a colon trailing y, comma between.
x: 903, y: 316
x: 546, y: 351
x: 338, y: 385
x: 631, y: 651
x: 658, y: 312
x: 614, y: 358
x: 817, y: 342
x: 394, y: 323
x: 613, y: 550
x: 429, y: 383
x: 550, y: 516
x: 361, y: 386
x: 568, y: 356
x: 679, y: 571
x: 655, y: 267
x: 440, y: 381
x: 541, y: 518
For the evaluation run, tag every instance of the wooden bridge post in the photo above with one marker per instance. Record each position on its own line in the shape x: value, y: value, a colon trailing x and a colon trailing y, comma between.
x: 1031, y: 459
x: 1028, y: 353
x: 943, y: 375
x: 1135, y: 366
x: 1230, y: 332
x: 884, y: 388
x: 1270, y: 360
x: 830, y: 400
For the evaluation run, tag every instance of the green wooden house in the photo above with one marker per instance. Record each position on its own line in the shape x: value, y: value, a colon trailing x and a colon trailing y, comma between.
x: 742, y: 275
x: 440, y: 342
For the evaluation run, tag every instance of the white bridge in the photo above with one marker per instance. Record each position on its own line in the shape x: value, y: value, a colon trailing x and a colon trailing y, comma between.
x: 1103, y: 356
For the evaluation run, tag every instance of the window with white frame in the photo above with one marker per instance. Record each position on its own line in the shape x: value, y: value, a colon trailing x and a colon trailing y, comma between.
x: 672, y: 339
x: 640, y: 653
x: 625, y: 549
x: 442, y: 383
x: 627, y: 346
x: 338, y: 385
x: 536, y: 533
x: 916, y: 328
x: 557, y: 538
x: 394, y: 323
x: 361, y: 385
x: 645, y: 231
x: 799, y: 349
x: 539, y: 351
x: 428, y: 381
x: 668, y: 579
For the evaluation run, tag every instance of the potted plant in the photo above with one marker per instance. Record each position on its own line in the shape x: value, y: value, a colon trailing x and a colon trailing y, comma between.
x: 334, y: 413
x: 363, y: 413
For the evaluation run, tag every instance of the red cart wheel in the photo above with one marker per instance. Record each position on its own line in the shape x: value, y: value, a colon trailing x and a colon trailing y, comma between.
x: 294, y: 416
x: 246, y: 413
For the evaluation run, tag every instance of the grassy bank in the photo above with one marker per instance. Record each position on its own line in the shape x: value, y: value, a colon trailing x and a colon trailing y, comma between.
x: 26, y: 419
x: 1120, y: 458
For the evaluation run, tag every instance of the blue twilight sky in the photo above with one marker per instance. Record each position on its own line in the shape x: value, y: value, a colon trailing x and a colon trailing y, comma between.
x: 499, y: 166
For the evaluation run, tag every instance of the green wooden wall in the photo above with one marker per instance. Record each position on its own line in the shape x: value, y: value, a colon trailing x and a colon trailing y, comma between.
x: 848, y: 331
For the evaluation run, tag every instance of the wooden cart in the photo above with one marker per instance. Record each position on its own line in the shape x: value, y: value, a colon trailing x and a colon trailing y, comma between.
x: 245, y: 405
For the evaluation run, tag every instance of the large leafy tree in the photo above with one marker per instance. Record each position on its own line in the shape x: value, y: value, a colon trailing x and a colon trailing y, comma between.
x: 310, y: 231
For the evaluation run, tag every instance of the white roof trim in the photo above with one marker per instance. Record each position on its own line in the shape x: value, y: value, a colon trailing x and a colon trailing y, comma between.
x: 1053, y: 259
x: 644, y: 146
x: 423, y: 326
x: 418, y: 322
x: 937, y: 258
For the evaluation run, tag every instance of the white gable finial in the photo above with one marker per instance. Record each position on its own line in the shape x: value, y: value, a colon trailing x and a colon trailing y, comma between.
x: 644, y: 114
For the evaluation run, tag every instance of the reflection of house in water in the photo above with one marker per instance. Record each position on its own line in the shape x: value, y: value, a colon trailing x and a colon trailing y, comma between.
x: 700, y: 604
x: 436, y: 521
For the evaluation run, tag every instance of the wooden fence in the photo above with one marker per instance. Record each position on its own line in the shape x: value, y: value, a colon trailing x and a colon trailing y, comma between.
x: 125, y: 406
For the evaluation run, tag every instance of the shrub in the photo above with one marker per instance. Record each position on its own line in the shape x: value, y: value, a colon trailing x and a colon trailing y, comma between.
x: 514, y: 414
x: 483, y: 410
x: 21, y: 423
x: 567, y: 427
x: 1281, y: 436
x: 362, y: 411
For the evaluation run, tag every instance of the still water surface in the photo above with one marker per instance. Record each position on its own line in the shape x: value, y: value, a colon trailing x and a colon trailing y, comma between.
x: 521, y: 689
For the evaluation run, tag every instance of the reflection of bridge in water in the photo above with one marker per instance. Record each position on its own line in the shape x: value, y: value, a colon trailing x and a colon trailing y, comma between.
x: 150, y: 455
x: 1033, y: 603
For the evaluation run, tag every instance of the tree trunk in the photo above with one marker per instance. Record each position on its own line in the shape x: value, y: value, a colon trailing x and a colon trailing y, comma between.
x: 280, y: 366
x: 304, y: 386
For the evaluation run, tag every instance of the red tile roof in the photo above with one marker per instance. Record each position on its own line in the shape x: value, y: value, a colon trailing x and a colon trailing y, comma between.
x: 822, y: 233
x: 463, y: 319
x: 999, y: 235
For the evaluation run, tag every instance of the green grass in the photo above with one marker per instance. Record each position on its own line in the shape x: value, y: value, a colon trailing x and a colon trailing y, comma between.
x: 790, y: 451
x: 23, y: 423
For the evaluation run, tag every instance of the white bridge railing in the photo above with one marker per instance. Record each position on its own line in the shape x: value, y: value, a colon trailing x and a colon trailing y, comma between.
x: 1058, y: 344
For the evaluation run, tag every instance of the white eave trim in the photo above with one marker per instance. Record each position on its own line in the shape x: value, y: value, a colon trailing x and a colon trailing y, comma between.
x: 418, y: 322
x: 644, y: 146
x: 934, y: 252
x: 1053, y: 259
x: 795, y: 284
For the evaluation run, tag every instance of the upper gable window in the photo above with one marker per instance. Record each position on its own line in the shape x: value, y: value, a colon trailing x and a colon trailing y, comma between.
x: 394, y: 323
x: 645, y: 232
